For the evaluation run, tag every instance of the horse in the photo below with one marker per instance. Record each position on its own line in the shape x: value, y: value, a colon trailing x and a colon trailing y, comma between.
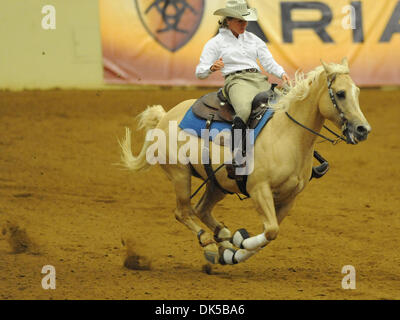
x: 283, y: 158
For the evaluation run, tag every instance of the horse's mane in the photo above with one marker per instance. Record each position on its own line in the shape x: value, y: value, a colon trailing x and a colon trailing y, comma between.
x: 303, y: 84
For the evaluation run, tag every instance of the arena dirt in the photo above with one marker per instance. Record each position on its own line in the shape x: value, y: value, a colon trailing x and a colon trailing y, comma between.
x: 61, y: 190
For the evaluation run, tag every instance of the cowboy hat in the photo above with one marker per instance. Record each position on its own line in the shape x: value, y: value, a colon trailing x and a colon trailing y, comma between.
x: 237, y: 9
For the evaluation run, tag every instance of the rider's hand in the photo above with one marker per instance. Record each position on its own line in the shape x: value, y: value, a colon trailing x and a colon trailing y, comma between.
x: 285, y: 78
x: 218, y: 65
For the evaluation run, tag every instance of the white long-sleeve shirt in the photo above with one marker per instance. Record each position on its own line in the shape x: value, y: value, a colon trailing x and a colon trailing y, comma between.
x: 237, y: 54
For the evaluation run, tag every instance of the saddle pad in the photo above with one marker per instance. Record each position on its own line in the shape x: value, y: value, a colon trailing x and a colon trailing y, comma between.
x: 191, y: 122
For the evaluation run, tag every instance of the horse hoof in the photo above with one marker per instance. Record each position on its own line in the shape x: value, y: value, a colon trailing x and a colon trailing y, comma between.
x: 226, y: 245
x: 227, y: 256
x: 239, y: 236
x: 211, y: 256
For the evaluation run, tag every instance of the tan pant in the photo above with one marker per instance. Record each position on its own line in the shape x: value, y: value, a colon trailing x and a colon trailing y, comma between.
x: 241, y: 88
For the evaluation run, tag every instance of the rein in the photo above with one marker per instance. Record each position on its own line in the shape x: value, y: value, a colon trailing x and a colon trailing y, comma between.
x: 341, y: 114
x: 334, y: 142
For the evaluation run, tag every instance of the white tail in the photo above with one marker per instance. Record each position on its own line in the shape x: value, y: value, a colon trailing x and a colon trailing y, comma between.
x: 148, y: 120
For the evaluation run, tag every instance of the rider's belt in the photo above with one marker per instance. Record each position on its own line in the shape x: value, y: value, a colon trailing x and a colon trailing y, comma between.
x: 251, y: 70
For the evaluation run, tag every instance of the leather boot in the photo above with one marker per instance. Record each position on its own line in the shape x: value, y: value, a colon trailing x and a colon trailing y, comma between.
x: 322, y: 169
x: 238, y: 124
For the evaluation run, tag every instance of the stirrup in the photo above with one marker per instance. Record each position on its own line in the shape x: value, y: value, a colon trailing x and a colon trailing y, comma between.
x: 231, y: 168
x: 320, y: 171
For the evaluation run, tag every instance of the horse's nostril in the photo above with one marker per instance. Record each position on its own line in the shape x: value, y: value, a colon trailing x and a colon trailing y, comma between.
x: 362, y: 130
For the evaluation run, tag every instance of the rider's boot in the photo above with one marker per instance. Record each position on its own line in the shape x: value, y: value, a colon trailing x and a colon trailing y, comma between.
x: 322, y: 169
x: 238, y: 124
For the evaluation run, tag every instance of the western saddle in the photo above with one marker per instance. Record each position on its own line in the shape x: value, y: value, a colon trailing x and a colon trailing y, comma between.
x: 215, y: 107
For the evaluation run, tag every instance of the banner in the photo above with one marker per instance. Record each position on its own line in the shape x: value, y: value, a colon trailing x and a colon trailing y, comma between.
x: 160, y: 41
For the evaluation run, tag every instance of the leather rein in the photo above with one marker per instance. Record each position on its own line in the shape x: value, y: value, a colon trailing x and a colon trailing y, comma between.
x: 341, y: 114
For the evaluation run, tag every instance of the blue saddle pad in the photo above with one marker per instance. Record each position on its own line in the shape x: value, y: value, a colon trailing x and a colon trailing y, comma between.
x: 193, y: 124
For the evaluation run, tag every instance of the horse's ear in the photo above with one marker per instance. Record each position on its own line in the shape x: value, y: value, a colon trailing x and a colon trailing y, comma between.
x: 345, y: 62
x: 326, y: 67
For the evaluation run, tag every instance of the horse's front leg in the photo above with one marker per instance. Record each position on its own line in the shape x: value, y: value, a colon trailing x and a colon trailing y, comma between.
x: 264, y: 202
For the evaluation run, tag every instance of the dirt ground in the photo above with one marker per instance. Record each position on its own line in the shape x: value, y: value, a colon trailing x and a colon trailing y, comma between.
x: 64, y: 202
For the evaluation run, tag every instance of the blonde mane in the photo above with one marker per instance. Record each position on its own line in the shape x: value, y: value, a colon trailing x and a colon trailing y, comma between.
x: 303, y: 83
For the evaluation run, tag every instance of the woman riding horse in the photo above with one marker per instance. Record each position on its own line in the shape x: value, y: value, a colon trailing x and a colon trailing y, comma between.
x: 283, y: 151
x: 282, y: 162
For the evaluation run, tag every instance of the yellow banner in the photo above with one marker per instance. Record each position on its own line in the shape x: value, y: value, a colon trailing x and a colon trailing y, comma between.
x: 160, y: 41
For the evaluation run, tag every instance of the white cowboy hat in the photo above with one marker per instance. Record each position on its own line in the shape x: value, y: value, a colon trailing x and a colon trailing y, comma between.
x: 237, y: 9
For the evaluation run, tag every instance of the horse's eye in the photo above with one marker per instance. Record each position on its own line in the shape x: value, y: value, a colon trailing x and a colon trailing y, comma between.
x: 341, y: 94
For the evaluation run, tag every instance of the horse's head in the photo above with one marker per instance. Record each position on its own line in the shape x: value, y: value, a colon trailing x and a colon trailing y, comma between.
x: 340, y: 104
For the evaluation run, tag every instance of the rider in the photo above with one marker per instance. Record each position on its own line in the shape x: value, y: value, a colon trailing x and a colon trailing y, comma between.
x: 235, y: 51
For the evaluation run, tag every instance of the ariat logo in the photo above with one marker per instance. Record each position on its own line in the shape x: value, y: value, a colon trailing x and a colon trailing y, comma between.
x: 172, y: 23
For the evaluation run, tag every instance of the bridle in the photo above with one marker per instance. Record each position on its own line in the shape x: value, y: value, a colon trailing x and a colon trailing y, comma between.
x: 335, y: 104
x: 341, y: 114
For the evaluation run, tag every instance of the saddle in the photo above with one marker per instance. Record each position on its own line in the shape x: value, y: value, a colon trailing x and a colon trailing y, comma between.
x: 215, y: 107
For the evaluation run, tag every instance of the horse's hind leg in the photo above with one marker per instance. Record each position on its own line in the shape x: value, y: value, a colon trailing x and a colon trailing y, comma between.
x: 203, y: 211
x: 181, y: 178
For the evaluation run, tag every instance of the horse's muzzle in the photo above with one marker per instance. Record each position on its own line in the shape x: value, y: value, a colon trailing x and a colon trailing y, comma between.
x: 356, y: 133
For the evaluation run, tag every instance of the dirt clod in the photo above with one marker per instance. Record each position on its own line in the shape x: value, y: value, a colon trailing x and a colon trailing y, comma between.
x: 134, y: 258
x: 18, y: 238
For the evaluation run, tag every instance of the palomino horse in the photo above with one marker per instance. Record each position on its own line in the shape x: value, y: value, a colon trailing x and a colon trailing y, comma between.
x: 282, y: 162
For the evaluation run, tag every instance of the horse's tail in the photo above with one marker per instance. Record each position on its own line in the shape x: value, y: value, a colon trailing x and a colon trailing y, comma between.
x: 148, y: 120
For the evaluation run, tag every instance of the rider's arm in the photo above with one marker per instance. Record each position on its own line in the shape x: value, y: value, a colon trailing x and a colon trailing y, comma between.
x: 209, y: 55
x: 267, y: 61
